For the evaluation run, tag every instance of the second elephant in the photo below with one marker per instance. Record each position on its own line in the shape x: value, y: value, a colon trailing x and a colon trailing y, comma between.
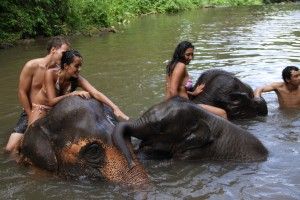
x: 180, y: 129
x: 224, y: 90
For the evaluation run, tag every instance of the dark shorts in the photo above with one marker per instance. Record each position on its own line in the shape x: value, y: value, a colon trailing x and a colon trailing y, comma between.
x: 22, y: 123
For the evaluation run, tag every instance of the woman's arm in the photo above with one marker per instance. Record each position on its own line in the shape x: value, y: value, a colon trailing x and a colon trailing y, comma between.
x: 85, y: 85
x: 197, y: 91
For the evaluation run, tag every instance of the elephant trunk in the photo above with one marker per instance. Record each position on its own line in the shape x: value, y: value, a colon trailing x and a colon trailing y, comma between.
x: 119, y: 138
x: 137, y: 177
x: 261, y: 106
x: 116, y: 169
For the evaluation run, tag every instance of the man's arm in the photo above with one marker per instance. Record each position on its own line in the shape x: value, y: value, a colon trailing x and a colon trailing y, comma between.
x: 266, y: 88
x: 25, y: 82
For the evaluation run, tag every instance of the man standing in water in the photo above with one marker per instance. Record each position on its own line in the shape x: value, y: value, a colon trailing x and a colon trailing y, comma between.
x: 288, y: 92
x: 30, y: 82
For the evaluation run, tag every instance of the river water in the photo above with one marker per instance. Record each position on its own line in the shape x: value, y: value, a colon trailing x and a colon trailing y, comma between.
x: 254, y: 42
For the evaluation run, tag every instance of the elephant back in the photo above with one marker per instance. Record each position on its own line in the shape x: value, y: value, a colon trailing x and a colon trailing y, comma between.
x: 218, y: 85
x: 77, y: 117
x: 237, y: 144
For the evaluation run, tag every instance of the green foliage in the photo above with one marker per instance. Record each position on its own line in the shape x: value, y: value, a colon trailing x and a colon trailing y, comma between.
x: 235, y: 2
x: 31, y: 18
x: 20, y: 19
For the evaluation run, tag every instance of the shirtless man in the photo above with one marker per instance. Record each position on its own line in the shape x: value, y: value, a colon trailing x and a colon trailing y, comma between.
x: 288, y: 92
x: 30, y: 82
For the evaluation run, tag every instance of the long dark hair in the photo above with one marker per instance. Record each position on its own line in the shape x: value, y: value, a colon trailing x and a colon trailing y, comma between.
x: 178, y: 55
x: 67, y: 58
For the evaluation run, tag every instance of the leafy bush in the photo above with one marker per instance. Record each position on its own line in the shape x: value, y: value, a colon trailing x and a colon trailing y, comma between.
x: 20, y: 19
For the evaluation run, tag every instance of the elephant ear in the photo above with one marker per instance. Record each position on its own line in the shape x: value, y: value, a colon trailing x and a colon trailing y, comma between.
x: 37, y: 147
x: 200, y: 135
x: 203, y: 133
x: 198, y: 139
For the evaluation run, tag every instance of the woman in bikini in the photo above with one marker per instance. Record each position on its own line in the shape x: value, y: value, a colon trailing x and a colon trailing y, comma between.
x: 62, y: 82
x: 178, y: 81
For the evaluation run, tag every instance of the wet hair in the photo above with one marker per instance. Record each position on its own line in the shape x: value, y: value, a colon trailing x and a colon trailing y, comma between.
x: 178, y: 56
x: 67, y: 58
x: 56, y: 42
x: 287, y: 72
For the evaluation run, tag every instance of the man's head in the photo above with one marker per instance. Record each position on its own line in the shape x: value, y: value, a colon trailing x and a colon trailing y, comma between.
x: 56, y: 43
x: 291, y: 74
x: 56, y: 46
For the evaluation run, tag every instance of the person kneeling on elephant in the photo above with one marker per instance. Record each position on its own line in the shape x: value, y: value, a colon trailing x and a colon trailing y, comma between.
x: 178, y: 81
x: 62, y: 82
x: 288, y: 92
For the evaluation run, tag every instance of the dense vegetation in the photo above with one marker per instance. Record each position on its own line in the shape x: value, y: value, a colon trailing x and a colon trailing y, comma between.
x: 21, y: 19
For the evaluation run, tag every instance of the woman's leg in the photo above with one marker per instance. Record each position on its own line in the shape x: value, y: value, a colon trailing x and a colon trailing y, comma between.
x: 215, y: 110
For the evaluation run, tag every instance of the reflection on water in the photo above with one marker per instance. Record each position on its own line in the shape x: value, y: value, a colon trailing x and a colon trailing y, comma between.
x: 255, y: 43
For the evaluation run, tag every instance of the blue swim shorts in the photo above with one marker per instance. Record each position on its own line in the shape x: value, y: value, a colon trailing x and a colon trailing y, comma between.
x: 22, y: 124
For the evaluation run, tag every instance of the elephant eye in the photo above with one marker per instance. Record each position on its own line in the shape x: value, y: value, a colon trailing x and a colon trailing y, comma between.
x: 93, y: 153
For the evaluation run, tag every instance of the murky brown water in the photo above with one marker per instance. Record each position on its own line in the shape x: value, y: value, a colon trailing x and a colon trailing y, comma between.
x: 255, y: 43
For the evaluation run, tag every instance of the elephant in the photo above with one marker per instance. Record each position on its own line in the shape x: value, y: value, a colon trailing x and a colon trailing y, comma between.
x: 74, y: 141
x: 224, y: 90
x: 180, y: 129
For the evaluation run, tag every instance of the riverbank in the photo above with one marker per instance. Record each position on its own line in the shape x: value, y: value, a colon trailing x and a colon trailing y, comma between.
x: 87, y: 17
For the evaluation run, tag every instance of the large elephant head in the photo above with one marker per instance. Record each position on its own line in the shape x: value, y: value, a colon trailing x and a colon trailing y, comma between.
x: 74, y: 140
x: 180, y: 129
x: 222, y: 89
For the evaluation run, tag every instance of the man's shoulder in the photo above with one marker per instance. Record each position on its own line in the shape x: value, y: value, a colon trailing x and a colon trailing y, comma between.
x: 34, y: 63
x: 32, y: 66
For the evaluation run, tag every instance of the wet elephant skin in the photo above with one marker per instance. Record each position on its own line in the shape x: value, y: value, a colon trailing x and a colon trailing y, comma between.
x: 180, y: 129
